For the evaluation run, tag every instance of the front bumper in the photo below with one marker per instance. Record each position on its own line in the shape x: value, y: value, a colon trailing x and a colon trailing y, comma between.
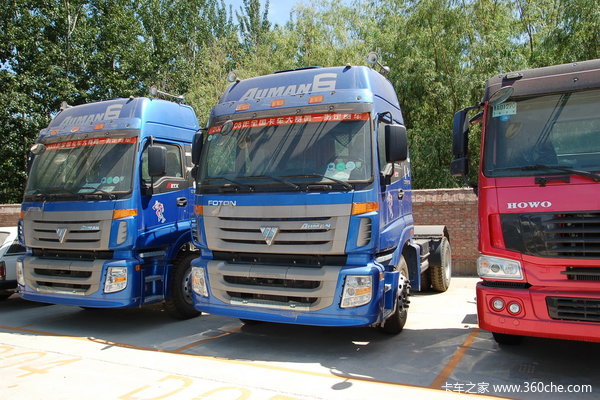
x: 325, y: 310
x: 535, y: 318
x: 77, y: 283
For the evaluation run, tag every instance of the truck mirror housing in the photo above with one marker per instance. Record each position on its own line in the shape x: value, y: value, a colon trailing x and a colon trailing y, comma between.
x: 157, y: 161
x: 459, y: 167
x: 460, y: 134
x: 197, y: 144
x: 396, y: 143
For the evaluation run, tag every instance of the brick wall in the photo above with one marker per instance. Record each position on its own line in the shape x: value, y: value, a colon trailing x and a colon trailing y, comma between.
x: 455, y: 208
x: 9, y: 214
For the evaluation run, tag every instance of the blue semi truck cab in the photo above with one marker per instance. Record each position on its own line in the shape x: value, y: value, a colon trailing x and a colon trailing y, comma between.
x: 107, y: 210
x: 303, y: 204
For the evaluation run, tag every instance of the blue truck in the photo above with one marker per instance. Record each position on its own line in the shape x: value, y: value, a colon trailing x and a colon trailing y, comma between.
x: 107, y: 210
x: 303, y: 204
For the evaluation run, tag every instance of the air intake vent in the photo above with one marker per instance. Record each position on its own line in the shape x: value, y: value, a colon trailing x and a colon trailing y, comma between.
x: 582, y: 273
x: 364, y: 232
x: 574, y: 309
x: 565, y: 235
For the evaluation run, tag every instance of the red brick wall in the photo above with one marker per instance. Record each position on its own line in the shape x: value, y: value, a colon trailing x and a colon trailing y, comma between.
x: 455, y: 208
x: 9, y: 214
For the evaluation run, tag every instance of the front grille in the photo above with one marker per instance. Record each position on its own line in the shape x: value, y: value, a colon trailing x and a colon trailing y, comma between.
x: 565, y: 235
x: 64, y: 286
x: 258, y: 297
x: 62, y: 273
x: 574, y: 309
x: 298, y: 260
x: 294, y: 229
x: 582, y: 273
x: 272, y: 282
x: 73, y: 254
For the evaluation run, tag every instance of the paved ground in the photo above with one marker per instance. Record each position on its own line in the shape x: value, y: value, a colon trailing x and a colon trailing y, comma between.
x: 58, y: 352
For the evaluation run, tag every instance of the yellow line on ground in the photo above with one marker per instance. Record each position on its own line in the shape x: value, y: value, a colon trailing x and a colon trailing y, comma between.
x: 331, y: 374
x: 454, y: 360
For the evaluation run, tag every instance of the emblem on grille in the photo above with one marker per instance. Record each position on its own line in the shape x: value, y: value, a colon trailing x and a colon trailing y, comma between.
x: 269, y: 233
x: 61, y: 233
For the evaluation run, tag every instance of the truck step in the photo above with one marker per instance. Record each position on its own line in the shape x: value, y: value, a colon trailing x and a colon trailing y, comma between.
x: 152, y: 278
x: 153, y: 299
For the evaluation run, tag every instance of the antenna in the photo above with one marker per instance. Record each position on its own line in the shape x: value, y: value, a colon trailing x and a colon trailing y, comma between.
x: 154, y: 92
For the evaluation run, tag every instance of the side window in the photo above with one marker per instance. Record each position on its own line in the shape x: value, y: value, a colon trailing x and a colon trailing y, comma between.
x: 15, y: 248
x: 383, y: 165
x: 174, y: 166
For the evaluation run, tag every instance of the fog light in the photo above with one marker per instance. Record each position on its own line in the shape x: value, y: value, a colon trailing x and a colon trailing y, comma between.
x: 514, y: 308
x: 498, y: 304
x: 199, y: 285
x: 20, y: 273
x: 357, y: 291
x: 116, y: 279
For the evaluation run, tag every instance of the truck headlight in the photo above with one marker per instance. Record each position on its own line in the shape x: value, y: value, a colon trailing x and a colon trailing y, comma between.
x: 20, y: 273
x: 358, y: 291
x: 116, y: 279
x: 499, y: 268
x: 199, y: 281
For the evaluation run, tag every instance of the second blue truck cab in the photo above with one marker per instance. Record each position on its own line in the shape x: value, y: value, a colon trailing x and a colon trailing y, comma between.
x: 303, y: 204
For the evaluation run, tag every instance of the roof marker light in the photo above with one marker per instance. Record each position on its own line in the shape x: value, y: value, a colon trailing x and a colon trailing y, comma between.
x: 242, y: 107
x: 278, y: 103
x: 315, y: 99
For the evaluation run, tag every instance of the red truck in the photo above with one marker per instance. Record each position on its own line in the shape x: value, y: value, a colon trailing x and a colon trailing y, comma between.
x: 539, y: 202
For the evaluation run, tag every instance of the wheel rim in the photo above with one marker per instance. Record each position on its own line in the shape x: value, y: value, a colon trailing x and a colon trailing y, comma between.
x: 186, y: 287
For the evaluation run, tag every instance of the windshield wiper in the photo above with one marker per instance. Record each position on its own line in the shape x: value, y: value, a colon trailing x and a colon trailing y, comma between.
x: 346, y: 185
x: 544, y: 167
x: 236, y: 184
x: 98, y: 191
x: 290, y: 184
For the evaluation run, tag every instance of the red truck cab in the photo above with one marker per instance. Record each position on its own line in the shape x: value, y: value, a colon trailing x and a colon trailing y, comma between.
x: 539, y: 202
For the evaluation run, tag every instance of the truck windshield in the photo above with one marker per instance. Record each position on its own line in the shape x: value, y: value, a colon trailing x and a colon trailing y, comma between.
x: 331, y: 148
x: 529, y: 136
x: 83, y: 169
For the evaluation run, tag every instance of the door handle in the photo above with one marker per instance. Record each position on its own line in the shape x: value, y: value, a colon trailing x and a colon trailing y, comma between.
x: 400, y: 194
x: 181, y: 202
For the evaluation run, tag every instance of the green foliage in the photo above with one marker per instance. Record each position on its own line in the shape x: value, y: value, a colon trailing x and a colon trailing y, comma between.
x: 440, y: 53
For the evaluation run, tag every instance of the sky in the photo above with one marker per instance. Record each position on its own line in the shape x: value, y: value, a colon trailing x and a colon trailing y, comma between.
x: 279, y: 10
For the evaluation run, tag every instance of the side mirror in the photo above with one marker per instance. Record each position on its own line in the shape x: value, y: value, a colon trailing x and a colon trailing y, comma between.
x: 396, y: 143
x: 460, y: 134
x: 157, y: 161
x: 197, y: 144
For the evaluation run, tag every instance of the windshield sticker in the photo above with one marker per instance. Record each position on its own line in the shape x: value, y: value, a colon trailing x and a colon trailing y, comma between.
x: 331, y: 167
x: 340, y: 166
x: 90, y: 142
x: 350, y: 166
x: 504, y: 109
x: 160, y: 209
x: 296, y: 119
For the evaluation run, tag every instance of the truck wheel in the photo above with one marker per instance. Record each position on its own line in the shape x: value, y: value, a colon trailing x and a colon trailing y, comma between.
x: 395, y: 322
x: 180, y: 304
x: 441, y: 274
x: 506, y: 339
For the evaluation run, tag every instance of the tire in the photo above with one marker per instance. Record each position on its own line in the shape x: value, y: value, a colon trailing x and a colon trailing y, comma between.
x: 505, y: 339
x: 395, y: 322
x: 180, y: 305
x: 441, y: 274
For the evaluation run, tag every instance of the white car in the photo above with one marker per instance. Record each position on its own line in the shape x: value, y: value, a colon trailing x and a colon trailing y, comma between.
x: 9, y: 251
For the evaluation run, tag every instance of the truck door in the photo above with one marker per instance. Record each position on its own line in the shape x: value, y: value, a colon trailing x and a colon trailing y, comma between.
x: 395, y: 193
x: 165, y: 207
